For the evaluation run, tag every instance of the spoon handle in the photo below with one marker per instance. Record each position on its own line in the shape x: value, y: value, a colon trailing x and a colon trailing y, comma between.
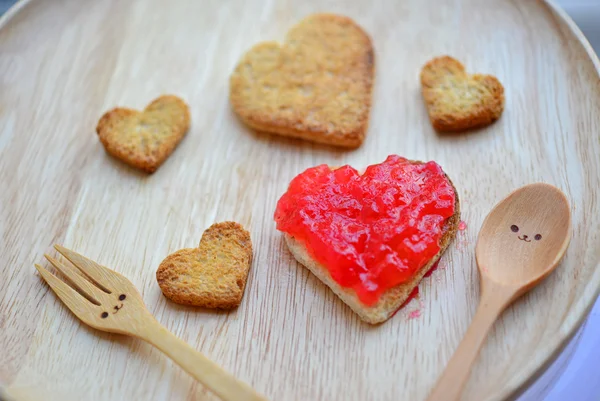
x: 450, y: 384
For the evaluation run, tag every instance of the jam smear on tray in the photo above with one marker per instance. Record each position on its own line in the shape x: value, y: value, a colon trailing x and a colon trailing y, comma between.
x: 371, y: 231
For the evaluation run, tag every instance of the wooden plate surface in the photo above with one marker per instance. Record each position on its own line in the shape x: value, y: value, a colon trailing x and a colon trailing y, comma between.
x: 63, y: 63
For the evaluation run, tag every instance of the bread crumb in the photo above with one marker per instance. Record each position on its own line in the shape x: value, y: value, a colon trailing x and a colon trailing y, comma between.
x: 145, y: 139
x: 214, y: 275
x: 457, y: 101
x: 316, y: 86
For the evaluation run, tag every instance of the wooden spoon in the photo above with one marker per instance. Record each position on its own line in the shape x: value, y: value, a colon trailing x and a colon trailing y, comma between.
x: 520, y: 243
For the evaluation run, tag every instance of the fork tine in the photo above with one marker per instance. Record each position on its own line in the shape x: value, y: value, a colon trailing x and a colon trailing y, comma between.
x: 71, y: 298
x: 88, y: 290
x: 99, y: 274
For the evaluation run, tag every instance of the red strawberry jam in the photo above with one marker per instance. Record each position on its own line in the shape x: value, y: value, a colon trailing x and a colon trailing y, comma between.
x: 371, y: 231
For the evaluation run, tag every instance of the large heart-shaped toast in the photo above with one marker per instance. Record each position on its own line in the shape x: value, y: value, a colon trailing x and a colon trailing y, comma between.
x: 457, y: 101
x: 214, y: 274
x: 370, y: 237
x: 316, y: 86
x: 145, y: 139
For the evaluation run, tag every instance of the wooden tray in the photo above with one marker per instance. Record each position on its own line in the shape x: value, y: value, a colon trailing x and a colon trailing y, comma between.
x: 63, y: 63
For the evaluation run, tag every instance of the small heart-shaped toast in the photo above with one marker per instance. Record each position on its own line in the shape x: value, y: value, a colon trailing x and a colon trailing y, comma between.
x: 316, y: 86
x: 457, y: 101
x: 144, y: 139
x: 214, y: 274
x: 370, y: 237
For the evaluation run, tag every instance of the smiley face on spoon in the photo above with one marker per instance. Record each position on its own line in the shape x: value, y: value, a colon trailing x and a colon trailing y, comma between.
x: 524, y: 237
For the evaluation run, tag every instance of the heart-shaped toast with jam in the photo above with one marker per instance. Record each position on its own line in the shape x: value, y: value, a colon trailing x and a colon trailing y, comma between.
x: 214, y: 274
x: 370, y: 237
x: 145, y: 139
x: 457, y: 101
x: 316, y: 86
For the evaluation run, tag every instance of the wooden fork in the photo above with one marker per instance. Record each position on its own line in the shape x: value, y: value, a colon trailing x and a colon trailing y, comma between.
x: 109, y: 302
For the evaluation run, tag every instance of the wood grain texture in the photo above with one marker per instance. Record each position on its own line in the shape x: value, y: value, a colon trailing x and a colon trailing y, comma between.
x: 63, y: 63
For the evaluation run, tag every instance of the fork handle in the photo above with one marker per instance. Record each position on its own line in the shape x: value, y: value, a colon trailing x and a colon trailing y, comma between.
x: 223, y: 384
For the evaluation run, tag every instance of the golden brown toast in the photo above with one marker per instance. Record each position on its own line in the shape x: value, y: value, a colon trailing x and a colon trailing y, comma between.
x: 214, y: 274
x: 316, y: 86
x: 391, y: 300
x: 145, y: 139
x: 457, y: 101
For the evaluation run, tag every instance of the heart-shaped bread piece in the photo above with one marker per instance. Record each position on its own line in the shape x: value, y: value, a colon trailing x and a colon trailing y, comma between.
x: 316, y: 86
x: 457, y: 101
x: 214, y: 274
x: 370, y: 237
x: 144, y: 139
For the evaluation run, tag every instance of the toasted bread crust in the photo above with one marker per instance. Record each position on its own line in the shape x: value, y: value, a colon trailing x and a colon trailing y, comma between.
x: 145, y: 139
x: 391, y: 300
x: 213, y: 275
x: 457, y: 101
x: 305, y: 90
